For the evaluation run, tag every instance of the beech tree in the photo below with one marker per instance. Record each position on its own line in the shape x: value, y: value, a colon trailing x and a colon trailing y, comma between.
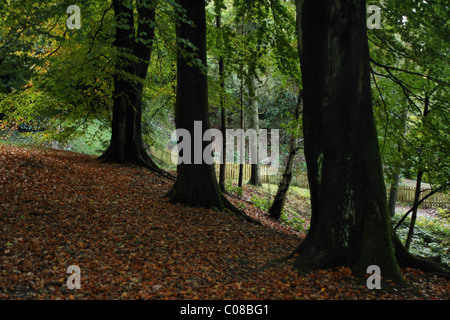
x: 350, y: 224
x: 133, y: 54
x: 255, y: 170
x: 196, y: 183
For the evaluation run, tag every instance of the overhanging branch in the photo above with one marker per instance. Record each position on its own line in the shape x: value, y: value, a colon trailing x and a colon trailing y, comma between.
x: 419, y: 203
x: 410, y: 72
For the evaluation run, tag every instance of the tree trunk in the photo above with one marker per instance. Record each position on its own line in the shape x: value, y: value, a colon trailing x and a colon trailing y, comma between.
x: 223, y: 110
x: 393, y: 191
x: 223, y: 165
x: 255, y: 170
x: 126, y: 145
x: 418, y: 183
x: 393, y: 195
x: 242, y: 154
x: 350, y: 224
x: 414, y: 212
x: 280, y: 198
x: 196, y: 183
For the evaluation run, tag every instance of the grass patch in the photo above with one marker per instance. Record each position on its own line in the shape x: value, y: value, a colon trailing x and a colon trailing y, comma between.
x: 296, y: 211
x: 91, y: 140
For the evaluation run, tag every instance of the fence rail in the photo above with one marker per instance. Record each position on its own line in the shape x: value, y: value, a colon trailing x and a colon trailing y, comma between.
x: 437, y: 200
x: 300, y: 179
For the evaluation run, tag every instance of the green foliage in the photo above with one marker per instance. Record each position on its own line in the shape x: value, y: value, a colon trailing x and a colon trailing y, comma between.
x: 260, y: 203
x: 68, y: 75
x: 300, y: 192
x: 410, y: 69
x: 230, y: 187
x: 293, y: 219
x: 253, y: 45
x: 431, y: 237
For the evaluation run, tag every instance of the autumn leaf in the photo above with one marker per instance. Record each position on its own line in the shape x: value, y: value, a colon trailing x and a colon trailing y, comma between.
x: 112, y: 221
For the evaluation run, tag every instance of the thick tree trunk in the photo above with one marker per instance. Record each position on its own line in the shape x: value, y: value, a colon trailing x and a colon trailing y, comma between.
x: 350, y: 224
x: 283, y: 188
x: 196, y: 184
x: 126, y: 145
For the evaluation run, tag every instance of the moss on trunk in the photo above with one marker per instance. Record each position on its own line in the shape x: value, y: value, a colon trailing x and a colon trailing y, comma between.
x: 350, y: 223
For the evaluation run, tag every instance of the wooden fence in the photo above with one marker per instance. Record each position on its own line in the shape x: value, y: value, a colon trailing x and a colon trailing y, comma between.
x: 300, y: 179
x: 437, y: 200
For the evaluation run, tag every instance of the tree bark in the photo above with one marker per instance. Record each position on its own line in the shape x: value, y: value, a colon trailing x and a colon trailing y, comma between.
x: 223, y: 165
x: 393, y: 195
x: 126, y: 145
x: 393, y: 190
x: 196, y: 183
x: 418, y: 184
x: 350, y: 224
x: 414, y: 212
x: 255, y: 170
x: 280, y: 198
x: 223, y: 110
x: 242, y: 155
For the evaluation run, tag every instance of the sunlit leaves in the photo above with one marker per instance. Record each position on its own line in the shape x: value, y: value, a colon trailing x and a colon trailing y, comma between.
x: 410, y: 54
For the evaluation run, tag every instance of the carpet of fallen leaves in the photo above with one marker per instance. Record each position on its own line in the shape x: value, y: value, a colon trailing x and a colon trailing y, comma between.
x: 60, y: 208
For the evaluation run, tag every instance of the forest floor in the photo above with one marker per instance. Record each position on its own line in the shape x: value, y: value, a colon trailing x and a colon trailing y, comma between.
x: 60, y: 208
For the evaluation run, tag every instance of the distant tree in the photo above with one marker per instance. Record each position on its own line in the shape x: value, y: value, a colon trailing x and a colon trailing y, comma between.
x: 276, y: 208
x: 218, y: 6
